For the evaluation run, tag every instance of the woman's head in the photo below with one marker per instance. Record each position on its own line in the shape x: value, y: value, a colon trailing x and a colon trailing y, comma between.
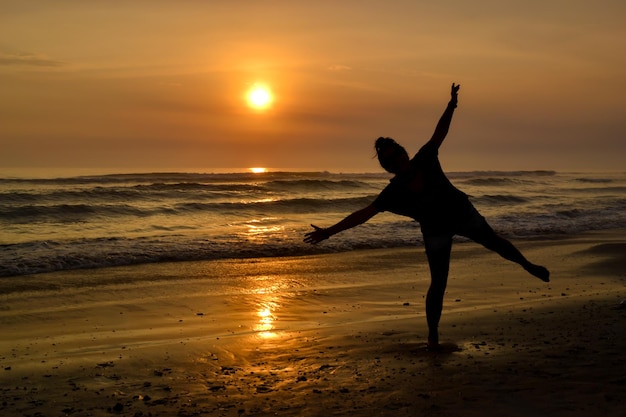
x: 391, y: 155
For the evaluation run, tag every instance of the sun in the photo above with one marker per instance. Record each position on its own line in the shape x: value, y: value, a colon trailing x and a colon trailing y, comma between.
x: 259, y: 97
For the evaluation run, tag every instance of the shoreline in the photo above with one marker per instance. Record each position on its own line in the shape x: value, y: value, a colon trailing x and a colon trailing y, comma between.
x: 334, y: 334
x: 5, y: 285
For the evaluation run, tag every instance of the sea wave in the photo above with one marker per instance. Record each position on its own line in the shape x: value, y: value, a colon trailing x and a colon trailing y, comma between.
x: 70, y: 213
x: 123, y: 219
x: 84, y: 212
x: 182, y: 177
x: 500, y: 199
x: 50, y: 256
x: 314, y: 185
x: 501, y: 174
x: 177, y: 189
x: 68, y: 254
x: 595, y: 180
x: 292, y: 205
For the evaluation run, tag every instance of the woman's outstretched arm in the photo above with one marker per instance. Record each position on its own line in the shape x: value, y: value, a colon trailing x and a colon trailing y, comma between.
x: 446, y: 118
x: 352, y: 220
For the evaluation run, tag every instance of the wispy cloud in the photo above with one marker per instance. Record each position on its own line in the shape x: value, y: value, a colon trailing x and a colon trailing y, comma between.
x: 28, y: 60
x: 338, y: 67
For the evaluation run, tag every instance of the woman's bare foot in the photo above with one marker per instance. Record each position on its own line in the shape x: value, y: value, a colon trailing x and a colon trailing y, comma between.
x: 539, y: 271
x: 446, y: 347
x: 433, y: 345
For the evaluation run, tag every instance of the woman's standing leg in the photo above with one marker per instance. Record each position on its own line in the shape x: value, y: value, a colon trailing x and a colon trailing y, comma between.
x: 438, y: 250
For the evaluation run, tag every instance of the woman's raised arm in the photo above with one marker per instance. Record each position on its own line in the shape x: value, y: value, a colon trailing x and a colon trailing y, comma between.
x: 446, y: 118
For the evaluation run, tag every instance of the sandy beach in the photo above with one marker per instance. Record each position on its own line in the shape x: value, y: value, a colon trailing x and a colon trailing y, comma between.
x: 340, y: 334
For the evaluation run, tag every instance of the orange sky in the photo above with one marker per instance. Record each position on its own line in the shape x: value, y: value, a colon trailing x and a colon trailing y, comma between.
x: 160, y: 85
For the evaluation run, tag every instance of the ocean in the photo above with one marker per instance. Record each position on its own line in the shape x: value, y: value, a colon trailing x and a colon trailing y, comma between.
x: 55, y: 224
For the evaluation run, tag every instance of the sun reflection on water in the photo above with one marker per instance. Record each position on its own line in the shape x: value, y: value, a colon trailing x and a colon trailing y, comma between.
x: 259, y: 230
x: 254, y: 230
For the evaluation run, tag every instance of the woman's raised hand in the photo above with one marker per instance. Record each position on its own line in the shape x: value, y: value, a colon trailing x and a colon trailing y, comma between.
x: 454, y: 92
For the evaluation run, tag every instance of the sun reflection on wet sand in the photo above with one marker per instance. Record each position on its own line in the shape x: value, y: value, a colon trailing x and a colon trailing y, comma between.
x: 266, y: 306
x: 265, y: 297
x: 266, y: 319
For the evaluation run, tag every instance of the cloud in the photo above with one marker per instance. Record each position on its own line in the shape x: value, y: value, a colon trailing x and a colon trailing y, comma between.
x: 338, y: 67
x: 28, y: 60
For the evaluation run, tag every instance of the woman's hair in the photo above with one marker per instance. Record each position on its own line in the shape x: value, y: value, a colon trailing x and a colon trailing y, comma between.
x: 381, y: 145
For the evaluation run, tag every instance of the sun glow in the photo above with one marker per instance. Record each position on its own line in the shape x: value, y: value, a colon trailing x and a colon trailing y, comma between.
x: 258, y: 170
x: 259, y: 97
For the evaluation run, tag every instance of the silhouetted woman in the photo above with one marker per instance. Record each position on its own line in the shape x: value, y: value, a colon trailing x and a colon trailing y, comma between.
x: 421, y: 190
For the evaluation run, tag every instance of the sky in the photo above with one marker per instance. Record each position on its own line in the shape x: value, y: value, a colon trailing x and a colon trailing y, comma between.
x: 160, y: 85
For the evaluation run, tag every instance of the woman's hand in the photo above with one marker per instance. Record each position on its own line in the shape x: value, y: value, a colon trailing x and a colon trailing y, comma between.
x: 316, y: 235
x: 454, y: 93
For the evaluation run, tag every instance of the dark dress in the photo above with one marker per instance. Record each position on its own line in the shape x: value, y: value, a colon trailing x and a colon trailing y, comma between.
x: 425, y: 194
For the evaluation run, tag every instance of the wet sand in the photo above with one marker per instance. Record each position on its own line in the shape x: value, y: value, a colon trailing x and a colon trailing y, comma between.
x: 339, y: 334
